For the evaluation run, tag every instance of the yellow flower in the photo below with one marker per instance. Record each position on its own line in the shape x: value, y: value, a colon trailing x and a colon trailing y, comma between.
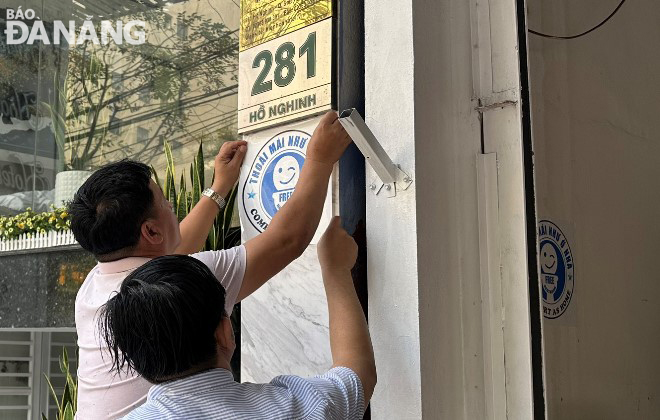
x: 52, y: 219
x: 64, y: 215
x: 21, y: 225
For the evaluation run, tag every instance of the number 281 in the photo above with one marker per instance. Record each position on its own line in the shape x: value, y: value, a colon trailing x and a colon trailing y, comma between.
x: 283, y: 60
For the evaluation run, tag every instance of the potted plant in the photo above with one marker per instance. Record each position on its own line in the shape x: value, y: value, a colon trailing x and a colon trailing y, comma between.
x: 74, y: 155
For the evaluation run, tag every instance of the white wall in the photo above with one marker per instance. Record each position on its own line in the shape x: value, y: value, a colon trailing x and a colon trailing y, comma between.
x: 597, y: 151
x: 391, y: 222
x: 426, y: 63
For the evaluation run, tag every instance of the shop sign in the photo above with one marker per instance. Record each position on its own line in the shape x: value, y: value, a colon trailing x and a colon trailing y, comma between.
x: 17, y: 106
x: 20, y: 172
x: 286, y: 78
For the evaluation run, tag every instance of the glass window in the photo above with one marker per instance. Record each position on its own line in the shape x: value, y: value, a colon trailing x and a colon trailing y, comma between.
x: 115, y: 126
x: 117, y: 81
x: 182, y: 29
x: 68, y: 109
x: 142, y: 134
x: 167, y: 20
x: 145, y: 95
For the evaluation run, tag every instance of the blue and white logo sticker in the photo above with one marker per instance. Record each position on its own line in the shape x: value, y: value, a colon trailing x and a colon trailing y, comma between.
x: 556, y: 269
x: 273, y: 176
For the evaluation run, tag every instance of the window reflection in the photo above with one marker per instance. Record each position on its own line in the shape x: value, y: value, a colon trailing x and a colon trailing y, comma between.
x: 68, y: 109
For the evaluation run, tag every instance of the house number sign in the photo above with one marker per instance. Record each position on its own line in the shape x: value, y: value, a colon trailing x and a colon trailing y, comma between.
x: 287, y: 77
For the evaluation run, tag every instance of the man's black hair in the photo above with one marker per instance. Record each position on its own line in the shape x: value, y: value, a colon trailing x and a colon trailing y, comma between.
x: 108, y: 210
x: 162, y: 322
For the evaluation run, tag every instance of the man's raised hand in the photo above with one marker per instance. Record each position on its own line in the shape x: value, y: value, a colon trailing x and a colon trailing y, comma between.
x: 337, y: 251
x: 227, y: 166
x: 328, y: 141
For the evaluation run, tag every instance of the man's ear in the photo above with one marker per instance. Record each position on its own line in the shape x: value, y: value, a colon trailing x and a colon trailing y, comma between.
x: 224, y: 334
x: 151, y: 232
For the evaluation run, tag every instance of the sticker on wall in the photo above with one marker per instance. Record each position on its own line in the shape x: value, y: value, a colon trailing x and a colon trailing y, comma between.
x: 269, y: 175
x: 556, y: 269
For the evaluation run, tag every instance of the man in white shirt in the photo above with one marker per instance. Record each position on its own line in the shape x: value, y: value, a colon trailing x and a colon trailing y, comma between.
x: 163, y: 324
x: 123, y: 218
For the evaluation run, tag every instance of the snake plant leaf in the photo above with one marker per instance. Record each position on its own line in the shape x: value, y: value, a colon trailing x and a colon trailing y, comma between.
x: 182, y: 208
x: 182, y: 182
x: 199, y: 160
x: 196, y: 183
x: 192, y: 173
x: 156, y: 178
x: 64, y: 361
x: 53, y: 393
x: 68, y: 413
x: 67, y: 400
x: 169, y: 158
x: 67, y: 404
x: 229, y: 209
x: 170, y: 189
x: 212, y: 239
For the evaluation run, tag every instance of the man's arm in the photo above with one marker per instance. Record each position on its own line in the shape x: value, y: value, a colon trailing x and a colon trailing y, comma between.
x: 293, y: 227
x: 196, y: 226
x: 350, y: 342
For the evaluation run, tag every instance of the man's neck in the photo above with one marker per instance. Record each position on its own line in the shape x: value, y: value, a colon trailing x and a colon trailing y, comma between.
x: 128, y: 253
x: 192, y: 372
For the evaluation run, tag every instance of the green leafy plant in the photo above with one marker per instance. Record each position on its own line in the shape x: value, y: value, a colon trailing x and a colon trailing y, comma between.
x: 33, y: 223
x: 67, y: 402
x: 222, y: 235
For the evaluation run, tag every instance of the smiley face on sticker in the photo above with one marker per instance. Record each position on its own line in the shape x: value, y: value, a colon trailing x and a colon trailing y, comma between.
x: 548, y: 259
x: 286, y: 173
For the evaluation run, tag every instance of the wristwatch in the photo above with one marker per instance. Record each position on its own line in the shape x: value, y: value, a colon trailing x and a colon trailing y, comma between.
x: 219, y: 200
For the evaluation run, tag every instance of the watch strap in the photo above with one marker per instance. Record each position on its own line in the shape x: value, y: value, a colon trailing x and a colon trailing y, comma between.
x: 219, y: 200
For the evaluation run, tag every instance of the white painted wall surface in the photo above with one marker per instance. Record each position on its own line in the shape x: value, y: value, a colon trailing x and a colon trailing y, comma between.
x: 426, y: 67
x: 391, y: 222
x: 597, y: 150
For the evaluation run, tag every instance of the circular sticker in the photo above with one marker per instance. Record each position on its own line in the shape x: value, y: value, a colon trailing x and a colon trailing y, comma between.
x: 556, y: 269
x: 273, y: 176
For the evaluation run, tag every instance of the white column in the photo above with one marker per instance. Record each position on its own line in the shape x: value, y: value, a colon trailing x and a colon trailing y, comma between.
x: 391, y: 222
x: 425, y: 62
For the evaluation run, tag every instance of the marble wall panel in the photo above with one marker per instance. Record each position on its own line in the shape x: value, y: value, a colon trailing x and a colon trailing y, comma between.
x: 284, y: 325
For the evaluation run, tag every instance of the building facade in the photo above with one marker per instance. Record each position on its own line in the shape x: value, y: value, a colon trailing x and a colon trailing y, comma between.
x: 514, y: 278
